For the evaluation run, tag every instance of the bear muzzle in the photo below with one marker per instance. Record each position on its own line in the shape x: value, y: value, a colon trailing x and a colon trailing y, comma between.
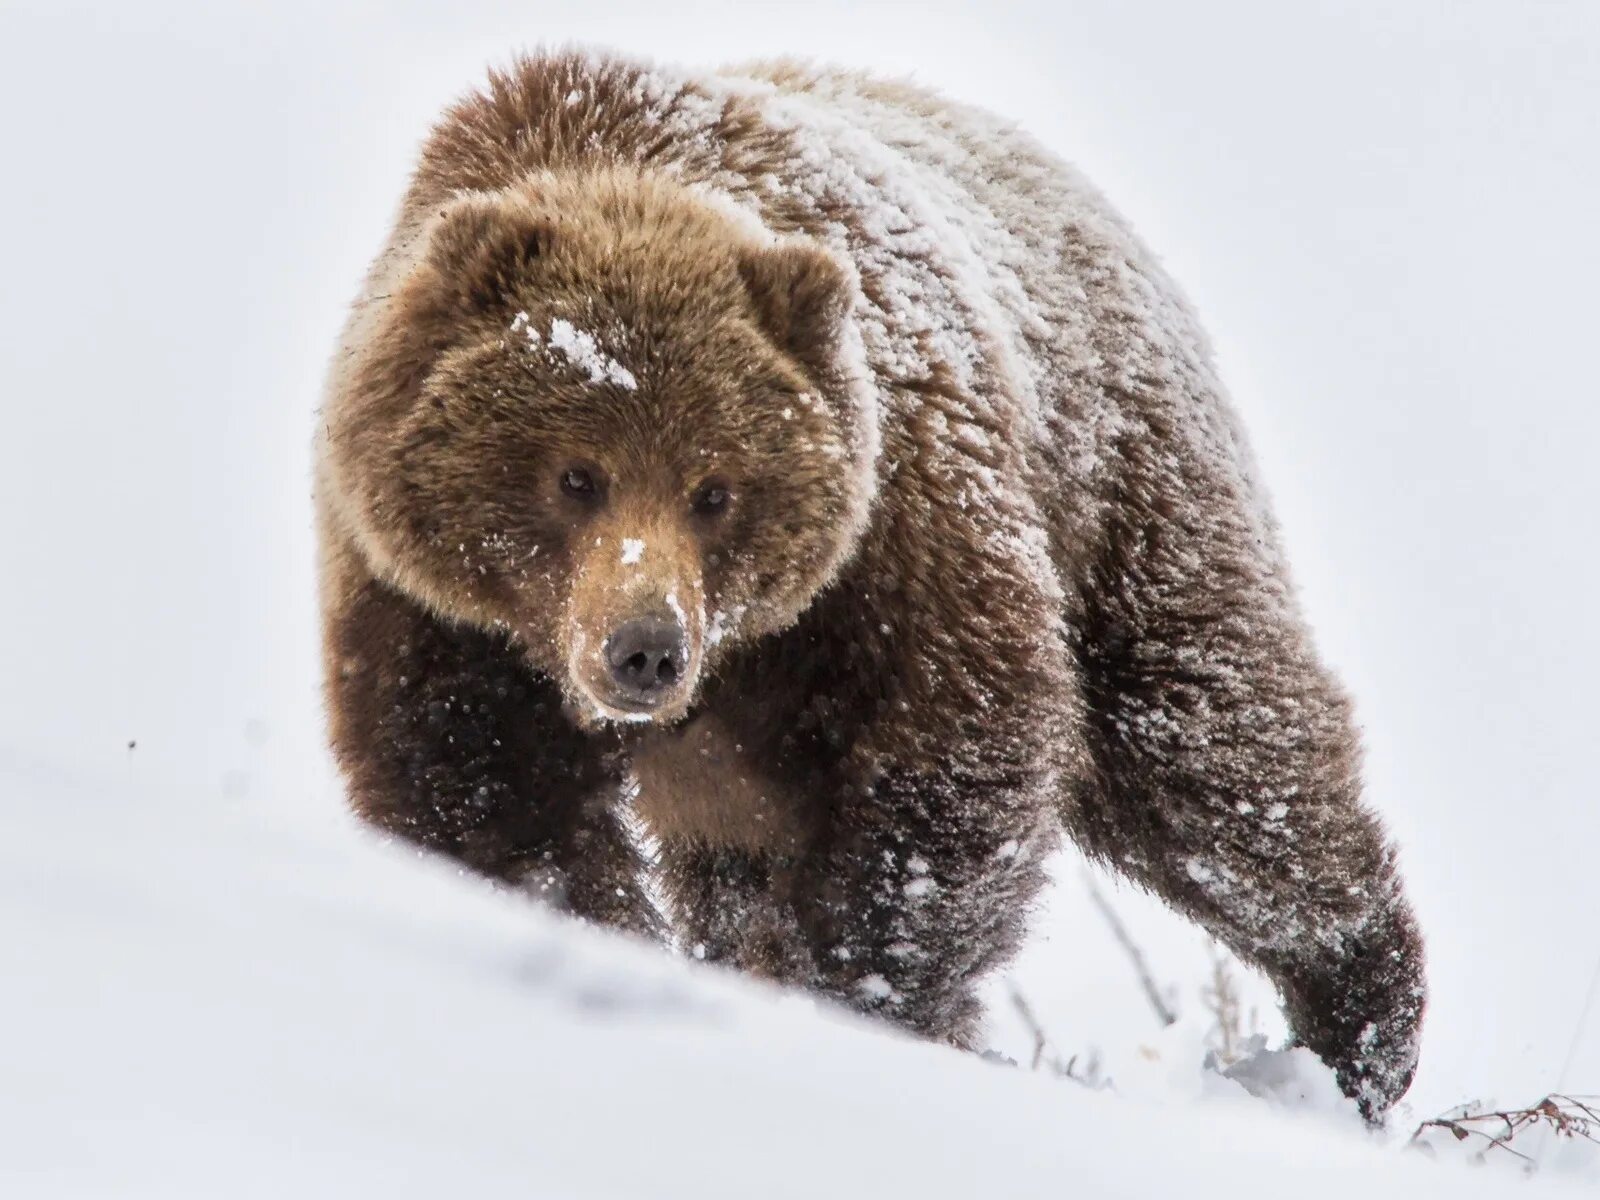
x: 643, y: 668
x: 649, y: 658
x: 635, y: 632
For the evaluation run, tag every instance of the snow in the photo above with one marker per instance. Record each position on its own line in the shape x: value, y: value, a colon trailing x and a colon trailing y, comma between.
x: 577, y: 348
x: 210, y: 993
x: 582, y: 350
x: 632, y: 551
x: 677, y: 609
x: 213, y: 983
x: 722, y: 623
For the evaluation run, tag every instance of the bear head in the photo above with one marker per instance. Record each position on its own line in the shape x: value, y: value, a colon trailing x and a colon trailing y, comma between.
x: 614, y: 418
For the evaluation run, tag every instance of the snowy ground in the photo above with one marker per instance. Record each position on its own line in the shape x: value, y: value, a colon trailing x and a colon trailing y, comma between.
x: 254, y: 1010
x: 211, y: 983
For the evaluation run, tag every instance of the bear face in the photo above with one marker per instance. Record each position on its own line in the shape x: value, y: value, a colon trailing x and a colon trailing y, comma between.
x: 614, y: 424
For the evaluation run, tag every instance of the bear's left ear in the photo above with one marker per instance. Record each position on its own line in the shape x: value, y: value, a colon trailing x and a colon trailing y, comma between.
x: 801, y: 294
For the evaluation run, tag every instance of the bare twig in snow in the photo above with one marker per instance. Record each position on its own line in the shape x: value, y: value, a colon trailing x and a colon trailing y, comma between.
x: 1088, y: 1074
x: 1577, y: 1033
x: 1230, y: 1030
x: 1163, y: 1010
x: 1566, y: 1116
x: 1025, y: 1011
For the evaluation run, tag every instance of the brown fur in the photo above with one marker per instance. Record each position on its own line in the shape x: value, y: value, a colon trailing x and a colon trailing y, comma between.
x: 993, y: 563
x: 701, y: 786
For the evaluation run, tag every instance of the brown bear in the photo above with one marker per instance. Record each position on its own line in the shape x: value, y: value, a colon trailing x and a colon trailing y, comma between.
x: 821, y: 473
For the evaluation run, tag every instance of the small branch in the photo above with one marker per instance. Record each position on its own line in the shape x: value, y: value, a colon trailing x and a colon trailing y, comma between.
x: 1088, y: 1075
x: 1135, y: 955
x: 1229, y: 1033
x: 1568, y: 1116
x: 1025, y: 1011
x: 1577, y: 1033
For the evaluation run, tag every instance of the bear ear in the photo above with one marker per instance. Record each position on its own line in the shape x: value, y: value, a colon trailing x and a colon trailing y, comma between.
x: 483, y: 247
x: 801, y: 295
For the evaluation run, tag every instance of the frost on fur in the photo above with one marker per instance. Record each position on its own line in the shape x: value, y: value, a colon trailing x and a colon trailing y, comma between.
x: 996, y: 564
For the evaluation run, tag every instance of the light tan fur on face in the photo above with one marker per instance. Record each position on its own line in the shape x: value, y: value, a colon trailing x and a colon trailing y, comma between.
x: 634, y: 562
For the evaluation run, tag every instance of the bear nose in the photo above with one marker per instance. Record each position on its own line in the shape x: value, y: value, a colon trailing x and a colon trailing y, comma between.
x: 646, y: 658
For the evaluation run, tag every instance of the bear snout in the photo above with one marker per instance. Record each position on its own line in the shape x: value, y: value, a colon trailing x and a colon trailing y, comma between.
x: 647, y: 657
x: 636, y: 661
x: 635, y: 622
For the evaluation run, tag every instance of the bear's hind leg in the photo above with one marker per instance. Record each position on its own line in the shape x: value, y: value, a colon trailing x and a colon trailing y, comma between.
x: 1228, y: 783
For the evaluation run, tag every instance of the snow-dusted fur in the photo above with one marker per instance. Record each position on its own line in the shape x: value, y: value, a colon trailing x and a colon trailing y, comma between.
x: 1009, y: 572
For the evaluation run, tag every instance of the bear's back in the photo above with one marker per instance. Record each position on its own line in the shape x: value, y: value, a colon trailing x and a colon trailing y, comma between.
x: 1087, y: 340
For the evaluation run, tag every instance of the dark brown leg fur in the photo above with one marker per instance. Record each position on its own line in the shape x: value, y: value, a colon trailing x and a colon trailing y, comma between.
x: 926, y: 822
x: 900, y: 910
x: 734, y: 907
x: 900, y: 914
x: 450, y: 742
x: 1230, y: 784
x: 914, y: 900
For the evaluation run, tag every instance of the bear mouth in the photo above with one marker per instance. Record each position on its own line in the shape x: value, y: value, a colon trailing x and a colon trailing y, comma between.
x: 596, y: 709
x: 624, y: 712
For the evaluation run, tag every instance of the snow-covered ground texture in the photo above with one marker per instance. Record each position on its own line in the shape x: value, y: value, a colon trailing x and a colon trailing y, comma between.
x: 254, y: 1010
x: 213, y: 984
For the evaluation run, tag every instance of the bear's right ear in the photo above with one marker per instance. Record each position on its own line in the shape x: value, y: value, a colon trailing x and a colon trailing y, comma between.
x: 483, y: 247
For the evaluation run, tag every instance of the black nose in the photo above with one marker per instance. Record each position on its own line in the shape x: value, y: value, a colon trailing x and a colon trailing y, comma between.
x: 646, y: 657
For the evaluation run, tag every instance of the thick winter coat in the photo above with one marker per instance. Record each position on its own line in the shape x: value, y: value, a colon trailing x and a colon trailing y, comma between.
x: 824, y: 470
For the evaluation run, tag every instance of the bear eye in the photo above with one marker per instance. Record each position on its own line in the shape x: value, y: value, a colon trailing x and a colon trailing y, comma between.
x: 579, y: 484
x: 711, y: 499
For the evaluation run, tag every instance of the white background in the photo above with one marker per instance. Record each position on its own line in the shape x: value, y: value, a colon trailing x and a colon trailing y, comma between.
x: 1384, y: 213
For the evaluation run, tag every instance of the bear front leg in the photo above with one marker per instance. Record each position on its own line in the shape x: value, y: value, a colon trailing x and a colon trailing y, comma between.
x: 923, y: 808
x: 920, y: 721
x: 735, y: 907
x: 918, y: 889
x: 449, y: 741
x: 1228, y: 777
x: 921, y: 888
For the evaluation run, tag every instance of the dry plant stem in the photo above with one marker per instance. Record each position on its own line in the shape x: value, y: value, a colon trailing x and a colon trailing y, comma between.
x: 1025, y: 1011
x: 1583, y: 1020
x: 1221, y: 998
x: 1089, y: 1075
x: 1568, y: 1116
x: 1135, y: 955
